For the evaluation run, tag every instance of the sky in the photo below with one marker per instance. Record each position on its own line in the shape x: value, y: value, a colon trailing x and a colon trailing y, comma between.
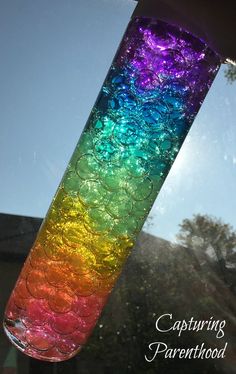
x: 54, y: 58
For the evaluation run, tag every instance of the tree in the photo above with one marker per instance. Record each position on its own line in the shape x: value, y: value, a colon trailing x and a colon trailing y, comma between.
x: 230, y: 73
x: 211, y: 238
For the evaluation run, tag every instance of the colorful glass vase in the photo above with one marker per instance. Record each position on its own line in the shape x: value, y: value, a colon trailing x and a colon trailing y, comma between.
x: 150, y: 97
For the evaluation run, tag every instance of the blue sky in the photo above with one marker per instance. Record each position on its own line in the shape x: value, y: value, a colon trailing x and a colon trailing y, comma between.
x: 54, y: 58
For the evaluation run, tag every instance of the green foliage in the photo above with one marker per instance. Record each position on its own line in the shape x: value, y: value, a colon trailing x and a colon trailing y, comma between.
x: 212, y: 241
x: 230, y: 73
x: 204, y: 232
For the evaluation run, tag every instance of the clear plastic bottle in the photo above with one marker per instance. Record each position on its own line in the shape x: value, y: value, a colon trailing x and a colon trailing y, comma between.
x: 152, y: 93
